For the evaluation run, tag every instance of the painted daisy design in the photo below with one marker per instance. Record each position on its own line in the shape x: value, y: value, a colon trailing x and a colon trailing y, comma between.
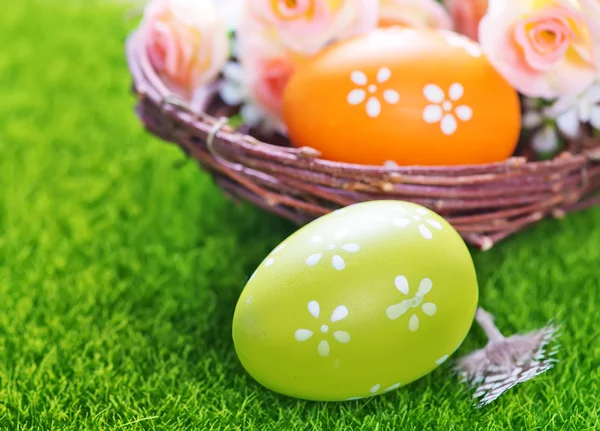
x: 442, y: 108
x: 337, y: 246
x: 371, y: 92
x: 406, y: 218
x: 396, y: 311
x: 324, y: 348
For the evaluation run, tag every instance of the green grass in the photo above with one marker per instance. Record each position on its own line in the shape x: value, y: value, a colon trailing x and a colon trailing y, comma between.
x: 119, y: 273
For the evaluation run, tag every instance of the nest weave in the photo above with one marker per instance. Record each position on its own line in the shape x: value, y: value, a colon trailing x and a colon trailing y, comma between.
x: 485, y: 203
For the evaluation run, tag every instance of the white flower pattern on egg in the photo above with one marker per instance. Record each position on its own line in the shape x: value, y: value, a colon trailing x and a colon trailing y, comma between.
x: 396, y: 311
x: 324, y: 348
x: 442, y: 360
x: 270, y: 260
x: 442, y: 108
x: 459, y: 41
x: 405, y: 218
x: 359, y: 95
x: 337, y: 261
x: 377, y: 390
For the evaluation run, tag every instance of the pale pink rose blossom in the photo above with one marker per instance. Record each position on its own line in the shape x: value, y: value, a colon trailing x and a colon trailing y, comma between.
x: 258, y: 82
x: 274, y: 36
x: 231, y: 10
x: 186, y: 42
x: 544, y: 48
x: 307, y: 26
x: 414, y: 13
x: 466, y: 15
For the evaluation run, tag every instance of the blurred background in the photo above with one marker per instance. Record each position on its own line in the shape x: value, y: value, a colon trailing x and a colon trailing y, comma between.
x: 121, y: 263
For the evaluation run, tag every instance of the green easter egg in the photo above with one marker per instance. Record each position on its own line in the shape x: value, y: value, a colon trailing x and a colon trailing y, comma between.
x: 357, y: 303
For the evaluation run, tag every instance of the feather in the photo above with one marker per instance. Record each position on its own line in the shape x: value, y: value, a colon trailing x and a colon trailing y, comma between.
x: 506, y: 362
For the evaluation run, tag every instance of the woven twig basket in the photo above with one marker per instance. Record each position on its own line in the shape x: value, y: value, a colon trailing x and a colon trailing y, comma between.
x: 485, y: 203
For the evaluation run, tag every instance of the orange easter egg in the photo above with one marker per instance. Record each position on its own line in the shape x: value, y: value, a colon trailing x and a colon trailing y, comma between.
x: 415, y: 97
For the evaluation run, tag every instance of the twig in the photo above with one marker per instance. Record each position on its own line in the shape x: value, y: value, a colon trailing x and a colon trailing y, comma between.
x: 485, y: 203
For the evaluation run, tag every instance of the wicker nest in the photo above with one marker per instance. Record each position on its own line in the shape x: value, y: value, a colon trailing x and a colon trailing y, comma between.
x: 485, y: 203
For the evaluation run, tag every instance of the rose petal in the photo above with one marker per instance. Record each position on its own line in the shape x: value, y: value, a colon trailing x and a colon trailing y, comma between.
x: 570, y: 75
x: 542, y: 55
x: 413, y: 14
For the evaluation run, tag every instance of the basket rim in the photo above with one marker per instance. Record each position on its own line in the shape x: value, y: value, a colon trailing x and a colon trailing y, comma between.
x: 149, y: 85
x: 485, y: 203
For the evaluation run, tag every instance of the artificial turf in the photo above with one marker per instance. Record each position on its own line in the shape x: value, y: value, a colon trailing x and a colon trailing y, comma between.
x: 119, y: 271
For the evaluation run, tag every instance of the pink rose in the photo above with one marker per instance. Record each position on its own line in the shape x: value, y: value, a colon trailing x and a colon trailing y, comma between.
x: 544, y: 48
x: 307, y: 26
x: 267, y: 74
x: 466, y: 15
x: 259, y: 80
x: 186, y: 42
x: 414, y: 13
